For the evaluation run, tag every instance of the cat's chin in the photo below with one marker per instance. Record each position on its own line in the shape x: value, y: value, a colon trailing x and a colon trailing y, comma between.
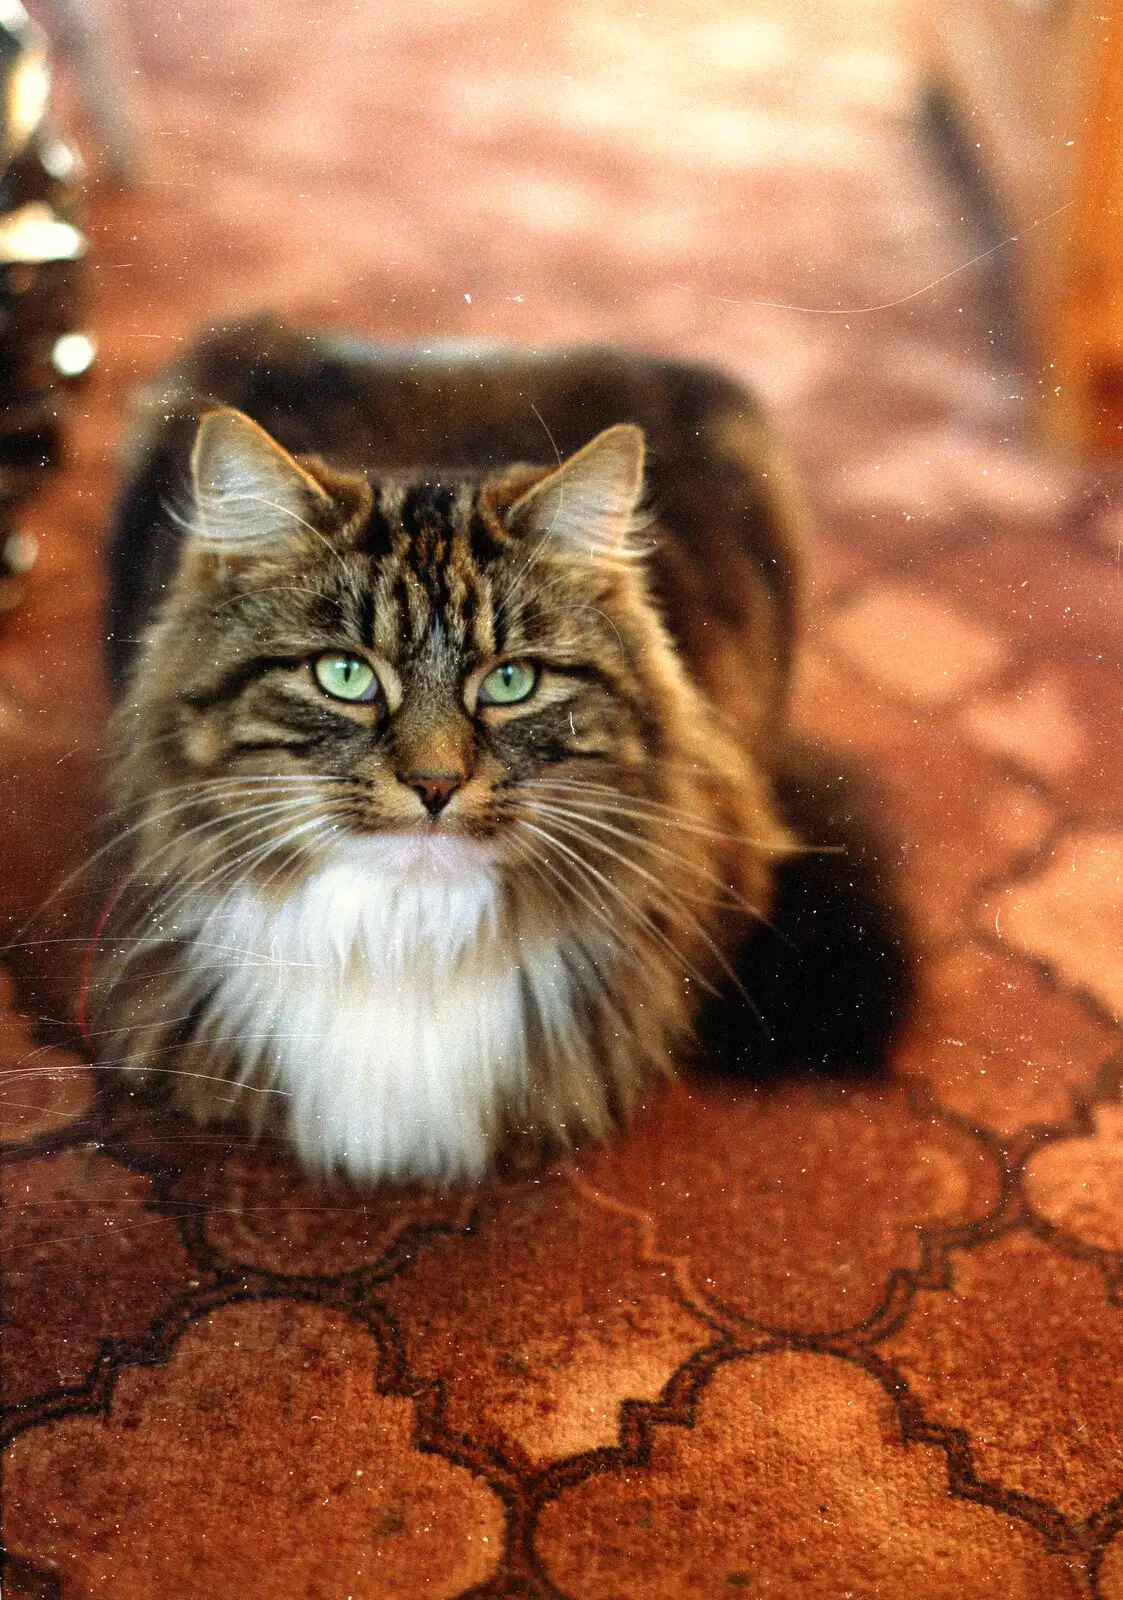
x: 421, y: 853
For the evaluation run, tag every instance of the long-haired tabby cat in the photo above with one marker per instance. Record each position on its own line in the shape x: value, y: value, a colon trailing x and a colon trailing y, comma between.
x: 452, y: 770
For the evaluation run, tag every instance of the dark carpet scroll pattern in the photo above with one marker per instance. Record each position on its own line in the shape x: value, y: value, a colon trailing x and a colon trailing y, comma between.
x: 856, y: 1338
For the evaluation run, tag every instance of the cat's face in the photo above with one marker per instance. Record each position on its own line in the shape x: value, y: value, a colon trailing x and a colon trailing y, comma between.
x: 441, y: 666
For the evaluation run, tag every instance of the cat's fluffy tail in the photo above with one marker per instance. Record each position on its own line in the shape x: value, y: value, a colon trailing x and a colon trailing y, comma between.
x: 830, y: 976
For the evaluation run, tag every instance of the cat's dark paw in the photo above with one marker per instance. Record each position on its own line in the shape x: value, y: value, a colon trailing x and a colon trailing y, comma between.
x: 830, y: 977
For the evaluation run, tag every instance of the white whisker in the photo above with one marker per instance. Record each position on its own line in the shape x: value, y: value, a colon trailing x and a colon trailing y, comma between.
x: 636, y: 914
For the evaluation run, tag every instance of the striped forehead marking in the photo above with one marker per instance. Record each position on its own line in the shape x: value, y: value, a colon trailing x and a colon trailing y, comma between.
x: 426, y: 540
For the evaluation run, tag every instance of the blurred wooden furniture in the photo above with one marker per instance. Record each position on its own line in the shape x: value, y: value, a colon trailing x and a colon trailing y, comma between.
x: 91, y: 34
x: 1037, y: 92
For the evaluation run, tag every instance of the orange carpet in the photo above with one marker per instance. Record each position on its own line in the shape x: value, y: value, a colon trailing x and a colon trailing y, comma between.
x: 827, y: 1341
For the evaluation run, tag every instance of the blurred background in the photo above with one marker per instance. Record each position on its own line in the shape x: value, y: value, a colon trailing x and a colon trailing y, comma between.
x: 901, y: 229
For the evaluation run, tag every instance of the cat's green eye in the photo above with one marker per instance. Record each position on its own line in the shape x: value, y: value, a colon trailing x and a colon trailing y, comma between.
x: 346, y: 677
x: 508, y: 684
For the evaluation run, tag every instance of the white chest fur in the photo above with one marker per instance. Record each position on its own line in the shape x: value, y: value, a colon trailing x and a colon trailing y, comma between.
x: 383, y: 1001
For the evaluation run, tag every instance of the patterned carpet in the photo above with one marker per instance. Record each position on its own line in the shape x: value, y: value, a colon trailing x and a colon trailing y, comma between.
x: 849, y: 1340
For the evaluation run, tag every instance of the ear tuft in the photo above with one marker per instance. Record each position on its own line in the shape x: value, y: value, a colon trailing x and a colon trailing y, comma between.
x: 590, y: 502
x: 248, y: 490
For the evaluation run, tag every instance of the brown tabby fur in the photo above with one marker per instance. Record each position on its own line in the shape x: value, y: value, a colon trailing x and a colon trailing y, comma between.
x: 630, y: 802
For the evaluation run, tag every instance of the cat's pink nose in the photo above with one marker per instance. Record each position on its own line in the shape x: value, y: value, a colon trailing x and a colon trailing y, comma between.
x: 435, y: 789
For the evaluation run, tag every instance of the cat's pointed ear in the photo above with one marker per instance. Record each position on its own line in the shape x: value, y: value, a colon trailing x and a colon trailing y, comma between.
x: 248, y: 490
x: 590, y: 502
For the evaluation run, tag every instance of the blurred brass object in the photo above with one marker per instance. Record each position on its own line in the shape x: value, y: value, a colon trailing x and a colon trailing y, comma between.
x: 1037, y: 97
x: 43, y: 344
x: 26, y: 79
x: 34, y: 234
